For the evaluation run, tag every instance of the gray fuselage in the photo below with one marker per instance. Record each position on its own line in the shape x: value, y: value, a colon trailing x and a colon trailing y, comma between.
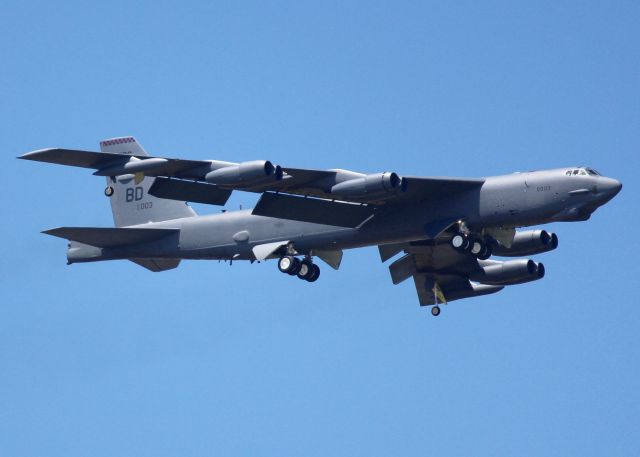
x: 507, y: 201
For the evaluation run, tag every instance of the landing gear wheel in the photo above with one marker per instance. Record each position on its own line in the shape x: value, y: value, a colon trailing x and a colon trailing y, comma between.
x: 485, y: 253
x: 306, y: 269
x: 471, y: 241
x: 435, y: 311
x: 315, y: 273
x: 459, y: 241
x: 477, y: 247
x: 296, y: 266
x: 109, y: 191
x: 288, y: 264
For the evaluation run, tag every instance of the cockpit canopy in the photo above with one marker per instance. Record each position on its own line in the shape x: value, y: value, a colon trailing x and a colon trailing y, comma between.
x: 582, y: 171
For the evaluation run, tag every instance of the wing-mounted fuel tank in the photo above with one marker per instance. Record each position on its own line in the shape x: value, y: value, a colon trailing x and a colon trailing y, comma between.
x: 508, y: 272
x: 245, y: 175
x: 356, y: 185
x: 527, y: 243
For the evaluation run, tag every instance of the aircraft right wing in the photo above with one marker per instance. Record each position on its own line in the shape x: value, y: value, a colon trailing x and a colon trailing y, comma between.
x: 442, y: 274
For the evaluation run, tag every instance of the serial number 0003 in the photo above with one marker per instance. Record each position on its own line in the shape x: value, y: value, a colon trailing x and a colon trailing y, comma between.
x: 144, y: 205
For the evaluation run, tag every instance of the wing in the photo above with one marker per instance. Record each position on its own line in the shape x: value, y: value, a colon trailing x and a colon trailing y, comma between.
x: 114, y: 164
x: 437, y: 268
x: 322, y: 184
x: 318, y: 196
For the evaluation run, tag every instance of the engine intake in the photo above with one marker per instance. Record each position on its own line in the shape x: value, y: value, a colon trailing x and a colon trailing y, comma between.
x: 245, y: 174
x: 528, y: 243
x: 508, y: 272
x: 371, y: 185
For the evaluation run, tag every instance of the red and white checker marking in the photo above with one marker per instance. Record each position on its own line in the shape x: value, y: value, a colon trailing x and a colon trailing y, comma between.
x: 118, y: 141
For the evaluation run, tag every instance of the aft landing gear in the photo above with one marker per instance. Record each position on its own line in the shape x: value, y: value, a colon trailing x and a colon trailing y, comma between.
x: 303, y: 269
x: 435, y: 311
x: 108, y: 191
x: 289, y: 264
x: 308, y: 271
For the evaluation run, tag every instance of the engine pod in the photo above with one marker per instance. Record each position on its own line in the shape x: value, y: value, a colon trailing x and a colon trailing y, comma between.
x: 370, y: 185
x: 245, y: 174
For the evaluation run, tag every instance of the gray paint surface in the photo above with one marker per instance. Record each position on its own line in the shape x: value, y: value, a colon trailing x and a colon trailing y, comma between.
x: 419, y: 218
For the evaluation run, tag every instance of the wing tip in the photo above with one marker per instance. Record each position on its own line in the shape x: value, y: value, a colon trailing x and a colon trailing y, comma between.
x: 31, y: 155
x: 52, y: 231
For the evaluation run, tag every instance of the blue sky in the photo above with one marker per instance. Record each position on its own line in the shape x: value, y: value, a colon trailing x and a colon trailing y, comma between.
x: 110, y: 359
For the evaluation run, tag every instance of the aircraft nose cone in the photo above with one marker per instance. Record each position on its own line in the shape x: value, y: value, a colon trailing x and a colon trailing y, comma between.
x: 609, y: 188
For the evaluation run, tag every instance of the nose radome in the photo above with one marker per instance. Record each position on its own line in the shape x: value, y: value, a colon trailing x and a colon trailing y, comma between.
x: 609, y: 186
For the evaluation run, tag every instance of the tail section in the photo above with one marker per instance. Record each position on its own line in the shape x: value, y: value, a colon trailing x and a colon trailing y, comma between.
x: 131, y: 203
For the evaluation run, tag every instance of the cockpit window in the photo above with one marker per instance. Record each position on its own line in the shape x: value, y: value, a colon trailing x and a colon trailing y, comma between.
x: 582, y: 172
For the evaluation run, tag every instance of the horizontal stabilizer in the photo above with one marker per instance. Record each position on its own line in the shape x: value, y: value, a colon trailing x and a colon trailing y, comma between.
x: 314, y: 210
x: 196, y: 192
x: 107, y: 237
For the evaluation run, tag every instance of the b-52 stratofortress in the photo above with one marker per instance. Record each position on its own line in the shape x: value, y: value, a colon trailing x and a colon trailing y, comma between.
x: 446, y: 228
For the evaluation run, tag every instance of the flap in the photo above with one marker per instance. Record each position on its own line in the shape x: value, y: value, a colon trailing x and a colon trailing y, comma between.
x: 435, y: 228
x: 157, y: 265
x: 331, y: 258
x: 402, y: 269
x: 197, y: 192
x: 430, y: 187
x: 389, y: 250
x: 314, y: 210
x: 107, y: 237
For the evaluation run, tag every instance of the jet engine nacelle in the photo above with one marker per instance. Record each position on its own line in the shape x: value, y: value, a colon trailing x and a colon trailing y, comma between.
x: 528, y: 243
x: 476, y: 290
x: 507, y: 273
x: 374, y: 184
x: 245, y: 174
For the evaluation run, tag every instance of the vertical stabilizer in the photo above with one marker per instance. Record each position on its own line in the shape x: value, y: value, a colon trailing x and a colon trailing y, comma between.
x: 131, y: 203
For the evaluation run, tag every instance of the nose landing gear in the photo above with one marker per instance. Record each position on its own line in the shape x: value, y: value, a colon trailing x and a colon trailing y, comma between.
x: 467, y: 243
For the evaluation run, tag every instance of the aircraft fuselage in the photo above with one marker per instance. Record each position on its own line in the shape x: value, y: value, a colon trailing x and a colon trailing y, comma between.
x: 507, y: 201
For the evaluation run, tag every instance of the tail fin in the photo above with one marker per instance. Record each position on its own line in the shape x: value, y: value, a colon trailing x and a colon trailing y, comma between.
x: 131, y: 203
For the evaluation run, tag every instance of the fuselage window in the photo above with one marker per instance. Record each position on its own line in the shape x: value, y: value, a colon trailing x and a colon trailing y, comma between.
x: 575, y: 172
x: 582, y: 172
x: 592, y: 172
x: 568, y: 173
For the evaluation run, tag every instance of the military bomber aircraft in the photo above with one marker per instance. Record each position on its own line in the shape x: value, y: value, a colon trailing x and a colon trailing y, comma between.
x: 446, y: 228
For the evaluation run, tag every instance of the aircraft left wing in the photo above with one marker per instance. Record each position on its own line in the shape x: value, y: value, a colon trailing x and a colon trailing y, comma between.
x: 212, y: 181
x: 114, y: 164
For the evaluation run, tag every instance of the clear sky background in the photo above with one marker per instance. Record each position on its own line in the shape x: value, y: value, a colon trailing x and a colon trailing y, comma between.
x: 109, y: 359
